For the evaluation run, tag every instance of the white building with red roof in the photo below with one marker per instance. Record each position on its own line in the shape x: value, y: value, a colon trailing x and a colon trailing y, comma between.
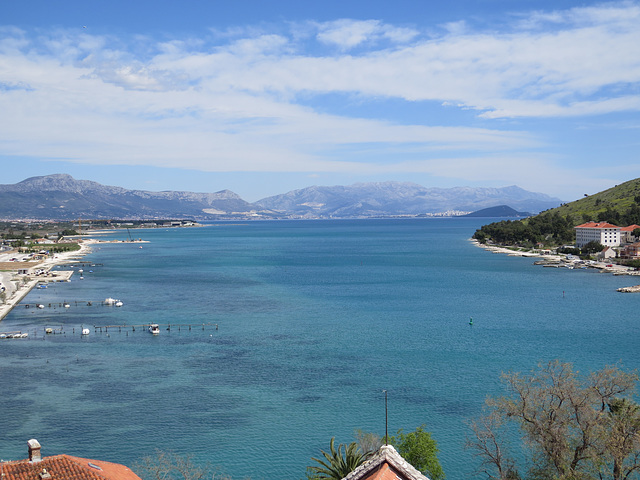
x: 626, y: 234
x: 386, y: 464
x: 605, y: 233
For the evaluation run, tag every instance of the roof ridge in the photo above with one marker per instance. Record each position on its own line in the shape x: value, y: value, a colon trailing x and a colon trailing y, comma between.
x: 387, y: 454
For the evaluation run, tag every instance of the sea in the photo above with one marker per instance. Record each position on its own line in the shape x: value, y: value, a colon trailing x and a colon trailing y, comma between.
x: 276, y: 336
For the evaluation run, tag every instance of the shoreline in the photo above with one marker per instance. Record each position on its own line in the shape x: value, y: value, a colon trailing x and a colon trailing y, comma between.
x: 16, y: 290
x: 550, y: 259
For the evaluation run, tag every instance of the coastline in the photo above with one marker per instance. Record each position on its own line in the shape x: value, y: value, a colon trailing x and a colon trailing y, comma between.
x: 17, y: 290
x: 560, y: 260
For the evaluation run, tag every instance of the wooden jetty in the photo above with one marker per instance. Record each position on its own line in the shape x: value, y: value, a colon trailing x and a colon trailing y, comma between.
x: 66, y: 304
x: 145, y: 326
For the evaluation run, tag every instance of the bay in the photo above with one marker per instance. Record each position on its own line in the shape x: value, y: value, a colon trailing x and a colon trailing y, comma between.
x: 315, y: 319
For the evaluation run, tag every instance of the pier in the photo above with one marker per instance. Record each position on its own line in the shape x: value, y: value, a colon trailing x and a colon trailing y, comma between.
x: 74, y: 303
x: 107, y: 329
x: 145, y: 326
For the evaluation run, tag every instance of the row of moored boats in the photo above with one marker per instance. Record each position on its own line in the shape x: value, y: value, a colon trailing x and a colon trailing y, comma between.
x: 14, y: 335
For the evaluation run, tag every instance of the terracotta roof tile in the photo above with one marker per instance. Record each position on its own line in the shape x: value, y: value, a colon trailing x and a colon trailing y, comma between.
x: 65, y: 467
x: 597, y: 225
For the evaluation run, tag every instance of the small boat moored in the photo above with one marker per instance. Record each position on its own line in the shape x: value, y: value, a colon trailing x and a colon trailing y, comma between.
x: 113, y: 301
x: 154, y: 329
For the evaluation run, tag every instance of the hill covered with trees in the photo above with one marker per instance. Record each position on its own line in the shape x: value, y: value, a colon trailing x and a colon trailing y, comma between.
x: 619, y: 205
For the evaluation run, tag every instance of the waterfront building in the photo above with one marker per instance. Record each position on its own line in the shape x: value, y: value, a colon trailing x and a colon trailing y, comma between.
x: 607, y: 253
x: 626, y: 234
x: 605, y: 233
x: 631, y: 251
x: 62, y: 467
x: 386, y: 464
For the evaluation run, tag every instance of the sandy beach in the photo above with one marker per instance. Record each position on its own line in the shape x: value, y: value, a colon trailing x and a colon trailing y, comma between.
x: 18, y: 286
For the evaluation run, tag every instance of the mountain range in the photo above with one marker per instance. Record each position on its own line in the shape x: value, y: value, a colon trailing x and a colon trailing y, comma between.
x: 61, y: 197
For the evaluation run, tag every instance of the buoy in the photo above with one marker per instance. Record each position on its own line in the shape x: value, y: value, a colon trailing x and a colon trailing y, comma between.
x: 470, y: 320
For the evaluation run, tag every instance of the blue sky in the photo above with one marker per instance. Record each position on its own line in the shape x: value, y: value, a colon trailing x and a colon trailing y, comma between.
x: 265, y: 97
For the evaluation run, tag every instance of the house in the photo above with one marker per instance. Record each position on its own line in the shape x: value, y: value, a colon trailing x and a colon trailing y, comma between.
x: 386, y: 464
x: 626, y: 234
x: 631, y: 251
x: 62, y: 467
x: 605, y: 233
x: 606, y: 254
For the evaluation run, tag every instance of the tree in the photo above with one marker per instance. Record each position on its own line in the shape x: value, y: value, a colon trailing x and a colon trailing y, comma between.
x: 417, y: 448
x: 368, y: 441
x: 164, y: 465
x: 338, y: 463
x: 571, y: 428
x: 420, y: 450
x: 592, y: 247
x: 621, y: 457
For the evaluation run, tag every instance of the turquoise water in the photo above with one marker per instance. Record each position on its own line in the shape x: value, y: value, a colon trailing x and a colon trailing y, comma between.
x: 315, y: 319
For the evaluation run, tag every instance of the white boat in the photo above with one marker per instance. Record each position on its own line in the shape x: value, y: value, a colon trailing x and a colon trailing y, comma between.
x: 40, y: 305
x: 66, y: 305
x: 154, y: 329
x: 85, y: 331
x: 110, y: 301
x: 119, y: 303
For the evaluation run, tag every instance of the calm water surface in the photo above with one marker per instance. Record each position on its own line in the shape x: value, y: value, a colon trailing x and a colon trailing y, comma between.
x: 315, y: 319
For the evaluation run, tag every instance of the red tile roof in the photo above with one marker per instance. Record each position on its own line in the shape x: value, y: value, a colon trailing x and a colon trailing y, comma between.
x: 386, y: 464
x: 630, y: 228
x: 65, y: 467
x: 597, y: 225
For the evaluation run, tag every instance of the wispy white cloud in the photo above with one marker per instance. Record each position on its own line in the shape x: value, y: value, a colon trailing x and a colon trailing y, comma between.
x: 348, y: 33
x: 245, y: 100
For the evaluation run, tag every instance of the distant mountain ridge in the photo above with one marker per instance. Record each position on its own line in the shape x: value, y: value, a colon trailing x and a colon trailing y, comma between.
x: 401, y: 198
x: 60, y: 197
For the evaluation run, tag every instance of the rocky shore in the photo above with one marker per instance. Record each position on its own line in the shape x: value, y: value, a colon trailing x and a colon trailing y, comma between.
x: 634, y: 289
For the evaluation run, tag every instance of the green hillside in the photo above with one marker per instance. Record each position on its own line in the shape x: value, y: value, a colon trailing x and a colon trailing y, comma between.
x: 619, y: 205
x: 617, y: 199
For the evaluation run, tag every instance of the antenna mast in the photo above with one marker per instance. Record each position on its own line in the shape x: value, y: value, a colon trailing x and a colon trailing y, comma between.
x: 386, y: 420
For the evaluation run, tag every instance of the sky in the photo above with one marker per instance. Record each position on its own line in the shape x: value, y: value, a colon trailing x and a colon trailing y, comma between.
x: 264, y: 97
